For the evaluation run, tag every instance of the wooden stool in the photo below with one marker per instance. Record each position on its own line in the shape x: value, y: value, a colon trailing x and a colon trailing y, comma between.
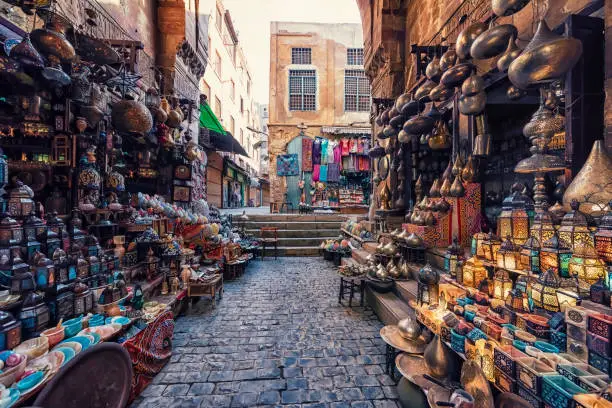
x: 350, y: 286
x: 269, y: 236
x: 274, y: 208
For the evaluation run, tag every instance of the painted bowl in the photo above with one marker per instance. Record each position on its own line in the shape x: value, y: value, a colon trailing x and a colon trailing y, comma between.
x: 118, y: 320
x: 51, y: 362
x: 30, y: 381
x: 85, y: 342
x: 9, y: 375
x: 33, y: 348
x: 73, y: 326
x: 9, y: 400
x: 96, y: 320
x: 67, y: 352
x: 54, y: 335
x: 5, y: 354
x: 75, y: 346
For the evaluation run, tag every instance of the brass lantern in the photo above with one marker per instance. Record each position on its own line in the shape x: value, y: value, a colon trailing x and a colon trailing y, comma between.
x: 542, y: 227
x: 490, y: 246
x: 530, y: 255
x: 544, y: 291
x: 513, y: 220
x: 454, y: 254
x: 566, y: 298
x: 555, y: 255
x: 517, y: 301
x: 477, y: 241
x: 502, y: 284
x: 508, y: 256
x: 61, y: 150
x: 603, y: 236
x: 20, y: 203
x: 474, y: 272
x: 574, y: 229
x: 11, y: 236
x: 82, y: 267
x: 427, y: 286
x: 586, y: 265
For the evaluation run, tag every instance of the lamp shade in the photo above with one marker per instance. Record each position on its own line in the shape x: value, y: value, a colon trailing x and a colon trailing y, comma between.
x: 513, y: 221
x: 586, y: 265
x: 502, y: 284
x: 603, y: 236
x: 555, y: 255
x: 474, y: 272
x: 542, y: 227
x: 574, y: 229
x: 530, y: 255
x: 453, y: 254
x: 508, y: 256
x: 544, y: 291
x: 490, y: 247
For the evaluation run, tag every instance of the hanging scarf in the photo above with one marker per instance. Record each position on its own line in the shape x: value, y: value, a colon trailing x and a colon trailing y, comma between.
x: 306, y: 154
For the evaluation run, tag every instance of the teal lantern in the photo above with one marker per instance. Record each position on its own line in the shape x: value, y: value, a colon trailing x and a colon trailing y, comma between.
x: 44, y: 273
x: 530, y: 255
x: 555, y: 255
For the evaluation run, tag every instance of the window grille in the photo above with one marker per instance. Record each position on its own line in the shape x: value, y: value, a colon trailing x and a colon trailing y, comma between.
x: 301, y: 56
x: 356, y: 91
x: 302, y: 90
x: 354, y: 56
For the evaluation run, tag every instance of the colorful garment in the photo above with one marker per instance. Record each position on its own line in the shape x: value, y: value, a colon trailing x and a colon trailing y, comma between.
x: 316, y: 151
x: 366, y: 146
x: 316, y: 171
x: 333, y: 172
x: 338, y: 154
x: 307, y: 154
x: 323, y: 173
x: 330, y: 152
x: 360, y: 146
x: 287, y: 165
x: 344, y: 145
x: 324, y: 145
x: 353, y: 146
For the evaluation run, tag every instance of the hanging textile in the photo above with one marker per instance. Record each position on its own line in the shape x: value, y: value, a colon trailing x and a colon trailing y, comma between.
x: 316, y: 170
x: 324, y: 145
x: 307, y: 154
x: 344, y: 145
x: 338, y: 154
x: 333, y: 172
x: 316, y: 151
x: 287, y: 165
x: 323, y: 173
x: 330, y: 152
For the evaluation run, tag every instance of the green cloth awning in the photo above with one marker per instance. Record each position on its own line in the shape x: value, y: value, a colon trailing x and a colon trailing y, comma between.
x: 209, y: 120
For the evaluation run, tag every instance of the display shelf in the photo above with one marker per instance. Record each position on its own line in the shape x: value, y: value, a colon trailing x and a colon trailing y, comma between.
x: 359, y: 239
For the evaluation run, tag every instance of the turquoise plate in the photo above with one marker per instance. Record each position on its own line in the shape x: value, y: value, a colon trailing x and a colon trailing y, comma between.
x: 96, y: 337
x: 82, y: 340
x: 30, y: 381
x: 67, y: 352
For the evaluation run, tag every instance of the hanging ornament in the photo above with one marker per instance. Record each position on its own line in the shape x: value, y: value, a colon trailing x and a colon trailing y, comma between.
x: 511, y: 53
x: 493, y: 41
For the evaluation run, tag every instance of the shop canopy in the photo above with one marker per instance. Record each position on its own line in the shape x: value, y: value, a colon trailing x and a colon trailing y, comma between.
x: 221, y: 139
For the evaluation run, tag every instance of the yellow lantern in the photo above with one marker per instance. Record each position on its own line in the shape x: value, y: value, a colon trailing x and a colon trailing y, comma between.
x: 530, y: 255
x: 513, y: 220
x: 502, y: 284
x: 542, y: 228
x: 603, y: 236
x: 574, y: 229
x: 544, y: 291
x: 477, y: 240
x: 517, y: 301
x: 474, y: 272
x: 567, y: 298
x: 508, y: 256
x: 490, y: 247
x: 586, y: 265
x: 555, y: 255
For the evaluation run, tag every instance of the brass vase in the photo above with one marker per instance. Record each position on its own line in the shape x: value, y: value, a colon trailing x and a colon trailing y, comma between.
x: 472, y: 86
x: 493, y: 42
x: 441, y: 137
x: 409, y: 328
x: 439, y: 358
x: 455, y: 75
x: 511, y: 53
x: 469, y: 171
x: 457, y: 166
x: 472, y: 105
x: 441, y: 93
x: 592, y: 186
x: 433, y: 71
x: 434, y: 191
x: 504, y: 8
x: 457, y: 189
x: 51, y: 40
x: 466, y: 38
x: 448, y: 59
x: 445, y: 188
x: 422, y: 93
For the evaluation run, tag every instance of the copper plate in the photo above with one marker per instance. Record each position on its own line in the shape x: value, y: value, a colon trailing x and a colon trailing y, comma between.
x: 391, y: 335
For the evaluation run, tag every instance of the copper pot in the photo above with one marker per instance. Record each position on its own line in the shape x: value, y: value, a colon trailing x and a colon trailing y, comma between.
x: 448, y: 59
x: 441, y: 93
x: 493, y: 42
x: 419, y: 124
x: 547, y: 57
x: 94, y: 50
x: 433, y: 71
x: 503, y: 8
x: 466, y: 38
x: 412, y: 108
x: 422, y: 94
x: 472, y: 105
x: 131, y: 117
x: 401, y: 101
x: 51, y: 40
x: 511, y: 53
x: 456, y: 75
x: 440, y: 138
x: 472, y: 86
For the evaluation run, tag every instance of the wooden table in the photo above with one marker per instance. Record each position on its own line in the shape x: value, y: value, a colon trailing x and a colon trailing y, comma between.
x: 208, y: 288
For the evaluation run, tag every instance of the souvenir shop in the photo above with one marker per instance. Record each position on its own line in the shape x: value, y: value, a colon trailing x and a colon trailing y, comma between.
x: 493, y: 228
x: 331, y: 172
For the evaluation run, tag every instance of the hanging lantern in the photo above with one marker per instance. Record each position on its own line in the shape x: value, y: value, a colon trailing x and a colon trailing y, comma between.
x: 93, y: 247
x: 502, y: 284
x: 474, y: 272
x: 603, y: 236
x: 544, y: 291
x: 454, y: 253
x: 513, y: 220
x: 530, y: 255
x: 517, y: 301
x: 567, y: 298
x: 20, y: 203
x: 427, y: 286
x: 542, y: 227
x: 523, y: 283
x: 586, y: 265
x: 574, y: 229
x: 477, y: 240
x: 490, y: 246
x: 508, y: 256
x: 555, y: 255
x: 94, y: 265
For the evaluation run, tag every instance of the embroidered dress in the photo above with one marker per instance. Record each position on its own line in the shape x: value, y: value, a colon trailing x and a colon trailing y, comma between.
x: 323, y: 173
x: 330, y: 152
x: 316, y: 170
x: 333, y: 172
x: 344, y: 144
x: 338, y: 154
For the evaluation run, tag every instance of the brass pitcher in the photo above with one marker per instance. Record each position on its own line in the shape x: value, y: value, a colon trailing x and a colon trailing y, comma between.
x: 439, y: 358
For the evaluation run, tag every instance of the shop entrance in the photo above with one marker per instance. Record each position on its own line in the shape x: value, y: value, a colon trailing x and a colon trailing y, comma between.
x: 293, y: 190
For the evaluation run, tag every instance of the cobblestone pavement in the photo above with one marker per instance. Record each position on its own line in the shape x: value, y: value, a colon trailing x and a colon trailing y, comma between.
x: 278, y: 338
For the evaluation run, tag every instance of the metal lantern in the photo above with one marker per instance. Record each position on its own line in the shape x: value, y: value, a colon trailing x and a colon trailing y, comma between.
x: 52, y: 243
x: 82, y: 267
x: 34, y: 232
x: 508, y: 256
x: 92, y: 245
x: 34, y: 315
x: 544, y: 291
x: 20, y: 276
x: 477, y: 240
x: 11, y: 236
x: 60, y: 260
x: 542, y: 227
x: 517, y: 301
x: 453, y: 255
x: 474, y: 272
x: 55, y: 224
x: 490, y: 246
x: 502, y: 284
x: 94, y: 265
x: 574, y: 229
x: 603, y: 236
x: 567, y: 298
x: 530, y: 255
x: 513, y: 221
x: 151, y: 265
x: 586, y: 265
x: 427, y: 286
x: 599, y: 293
x: 20, y: 203
x: 61, y: 150
x: 83, y: 298
x: 77, y: 235
x: 45, y: 273
x: 555, y: 255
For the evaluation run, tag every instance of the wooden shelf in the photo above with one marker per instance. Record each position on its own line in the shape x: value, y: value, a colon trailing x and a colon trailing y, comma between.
x: 359, y: 239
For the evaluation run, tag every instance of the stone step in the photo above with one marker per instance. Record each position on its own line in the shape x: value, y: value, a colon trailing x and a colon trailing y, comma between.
x: 296, y: 251
x: 389, y: 308
x: 300, y: 233
x: 292, y: 225
x: 291, y: 218
x: 360, y: 255
x: 406, y: 290
x: 302, y: 242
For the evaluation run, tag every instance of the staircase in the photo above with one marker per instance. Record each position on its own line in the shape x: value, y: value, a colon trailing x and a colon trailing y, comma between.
x: 298, y: 235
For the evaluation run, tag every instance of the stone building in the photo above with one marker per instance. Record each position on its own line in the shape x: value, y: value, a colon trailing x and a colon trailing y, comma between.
x: 319, y: 57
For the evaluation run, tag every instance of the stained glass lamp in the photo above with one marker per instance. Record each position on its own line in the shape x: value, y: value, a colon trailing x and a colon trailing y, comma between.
x: 477, y: 241
x: 517, y: 301
x: 603, y: 236
x: 513, y: 220
x: 574, y: 229
x: 544, y: 291
x: 555, y: 255
x: 474, y: 272
x: 502, y: 284
x: 530, y: 255
x: 490, y: 247
x: 427, y: 285
x: 542, y: 228
x: 567, y: 298
x: 508, y: 256
x: 586, y: 265
x: 453, y: 255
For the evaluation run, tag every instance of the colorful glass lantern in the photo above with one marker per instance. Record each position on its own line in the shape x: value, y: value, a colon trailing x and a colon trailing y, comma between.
x: 34, y: 315
x: 544, y: 291
x: 477, y: 240
x: 603, y: 236
x: 454, y: 254
x: 513, y: 221
x: 542, y: 227
x: 530, y: 255
x: 567, y: 298
x: 83, y: 298
x: 508, y: 256
x: 94, y: 265
x: 45, y: 273
x: 11, y: 236
x: 20, y: 203
x: 52, y: 243
x: 574, y: 229
x: 586, y: 265
x: 502, y: 284
x: 523, y: 283
x: 60, y: 260
x: 21, y: 278
x: 555, y: 255
x: 10, y: 331
x: 76, y: 233
x: 55, y: 224
x: 33, y: 231
x: 474, y: 272
x: 517, y: 301
x: 490, y: 247
x: 427, y: 286
x: 92, y: 245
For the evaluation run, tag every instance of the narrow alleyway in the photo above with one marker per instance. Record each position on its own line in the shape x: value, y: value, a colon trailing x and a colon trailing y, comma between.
x: 278, y: 337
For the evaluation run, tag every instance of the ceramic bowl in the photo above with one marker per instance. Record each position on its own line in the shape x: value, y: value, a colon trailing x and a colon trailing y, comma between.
x: 33, y: 348
x: 30, y: 381
x: 73, y: 326
x: 5, y: 354
x: 85, y: 342
x: 67, y: 352
x: 96, y: 320
x: 51, y: 361
x: 8, y: 400
x: 121, y: 320
x: 76, y: 347
x: 54, y: 335
x: 9, y: 375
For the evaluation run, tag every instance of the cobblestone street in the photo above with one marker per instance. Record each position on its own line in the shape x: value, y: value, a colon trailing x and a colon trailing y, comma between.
x: 277, y: 338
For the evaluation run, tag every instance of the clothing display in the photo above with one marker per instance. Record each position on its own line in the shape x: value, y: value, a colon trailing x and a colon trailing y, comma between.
x: 323, y: 173
x: 333, y: 172
x: 338, y: 154
x: 330, y: 152
x: 324, y: 144
x: 316, y: 151
x: 316, y: 170
x: 287, y: 165
x: 344, y: 144
x: 307, y: 154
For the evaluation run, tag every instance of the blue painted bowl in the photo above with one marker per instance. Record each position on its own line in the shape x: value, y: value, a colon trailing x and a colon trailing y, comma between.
x: 6, y: 354
x: 95, y: 336
x: 519, y: 345
x: 73, y: 326
x: 122, y: 320
x: 82, y: 340
x: 30, y: 381
x: 96, y: 320
x: 546, y: 347
x: 67, y: 352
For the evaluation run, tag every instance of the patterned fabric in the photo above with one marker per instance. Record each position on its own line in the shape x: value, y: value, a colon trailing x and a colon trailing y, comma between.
x: 149, y: 351
x: 323, y: 173
x: 333, y: 172
x: 324, y: 145
x: 330, y: 152
x: 316, y: 151
x: 316, y: 171
x: 287, y: 165
x: 344, y: 145
x: 338, y: 154
x: 307, y: 154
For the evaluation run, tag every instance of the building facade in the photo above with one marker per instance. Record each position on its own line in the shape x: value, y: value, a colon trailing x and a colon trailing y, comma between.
x: 317, y: 86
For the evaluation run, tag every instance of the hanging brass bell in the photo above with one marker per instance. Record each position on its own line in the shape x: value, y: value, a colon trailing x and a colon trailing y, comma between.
x: 472, y: 86
x: 472, y: 105
x: 466, y: 38
x: 493, y: 41
x: 448, y: 59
